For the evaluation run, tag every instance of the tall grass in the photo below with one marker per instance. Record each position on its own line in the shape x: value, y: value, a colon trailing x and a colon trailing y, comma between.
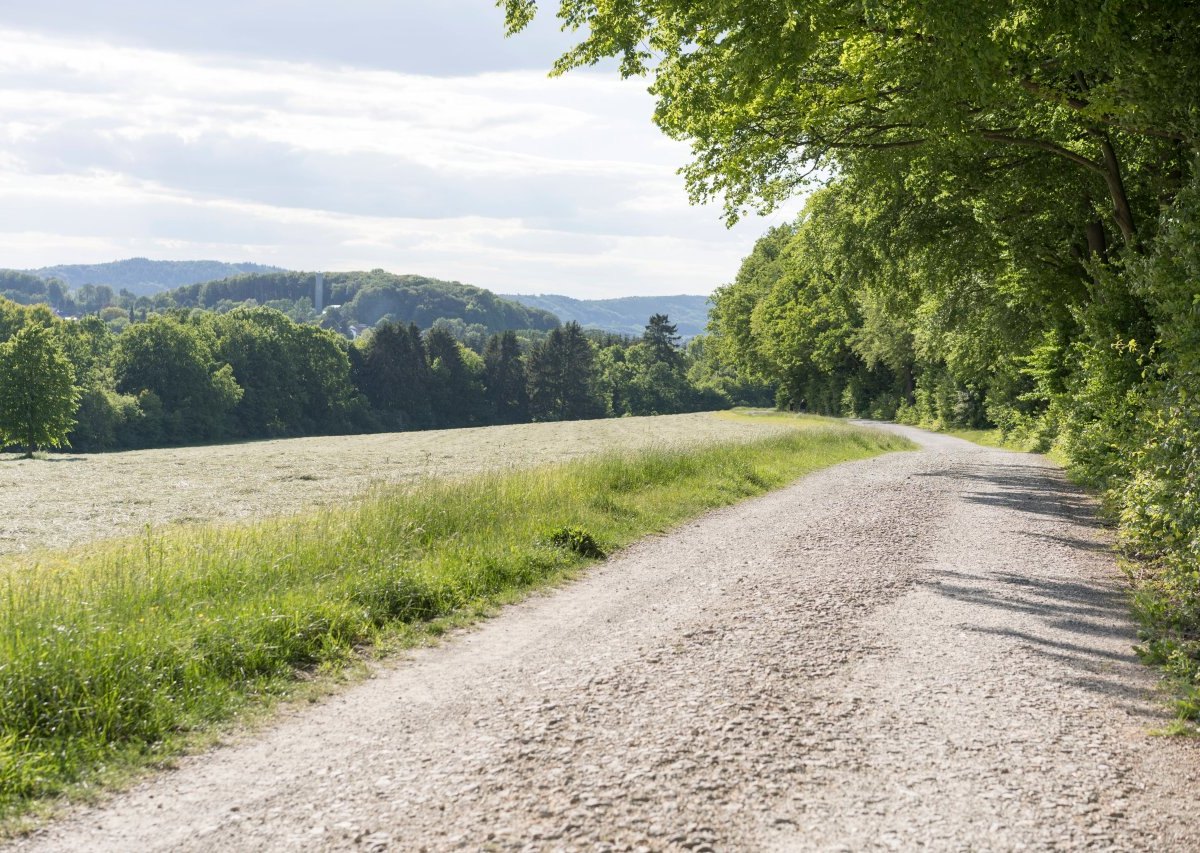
x: 110, y: 656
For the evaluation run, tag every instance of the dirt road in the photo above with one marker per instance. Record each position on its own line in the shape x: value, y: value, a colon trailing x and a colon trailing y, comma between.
x: 926, y: 649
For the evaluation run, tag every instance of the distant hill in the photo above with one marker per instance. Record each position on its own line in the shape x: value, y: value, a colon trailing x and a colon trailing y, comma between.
x: 368, y: 297
x: 625, y: 315
x: 364, y: 297
x: 143, y: 277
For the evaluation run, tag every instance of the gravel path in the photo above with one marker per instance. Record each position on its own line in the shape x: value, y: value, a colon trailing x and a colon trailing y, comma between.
x: 921, y: 650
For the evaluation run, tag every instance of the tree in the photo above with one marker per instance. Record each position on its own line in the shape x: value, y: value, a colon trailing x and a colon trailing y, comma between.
x: 504, y: 378
x: 295, y: 378
x: 771, y: 93
x: 662, y: 339
x: 388, y: 366
x: 170, y: 365
x: 456, y: 394
x: 38, y: 396
x: 562, y: 377
x: 717, y: 383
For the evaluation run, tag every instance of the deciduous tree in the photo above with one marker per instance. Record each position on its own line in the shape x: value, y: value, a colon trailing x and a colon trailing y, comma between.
x: 38, y: 396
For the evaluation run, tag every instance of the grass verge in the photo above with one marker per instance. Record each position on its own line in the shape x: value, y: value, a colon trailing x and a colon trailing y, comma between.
x: 114, y: 657
x: 994, y: 437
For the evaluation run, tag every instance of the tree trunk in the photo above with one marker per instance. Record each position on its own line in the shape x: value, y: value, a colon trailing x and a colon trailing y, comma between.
x: 1097, y: 242
x: 1122, y: 212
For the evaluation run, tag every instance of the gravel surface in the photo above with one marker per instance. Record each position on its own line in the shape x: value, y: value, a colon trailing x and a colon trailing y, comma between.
x: 923, y: 650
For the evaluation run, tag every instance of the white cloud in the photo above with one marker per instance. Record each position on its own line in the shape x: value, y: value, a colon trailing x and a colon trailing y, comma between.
x: 508, y: 180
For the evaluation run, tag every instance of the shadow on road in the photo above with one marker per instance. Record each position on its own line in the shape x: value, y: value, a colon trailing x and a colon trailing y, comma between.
x: 1076, y: 624
x: 1032, y: 489
x: 1082, y: 624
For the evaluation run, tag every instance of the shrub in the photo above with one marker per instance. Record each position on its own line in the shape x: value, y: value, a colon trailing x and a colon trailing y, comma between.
x: 576, y: 539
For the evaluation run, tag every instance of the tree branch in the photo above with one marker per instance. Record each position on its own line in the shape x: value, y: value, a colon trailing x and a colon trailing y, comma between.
x: 1054, y: 96
x: 1043, y: 145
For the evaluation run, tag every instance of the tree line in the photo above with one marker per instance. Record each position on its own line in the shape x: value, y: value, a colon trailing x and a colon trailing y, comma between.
x: 1007, y: 233
x: 189, y: 377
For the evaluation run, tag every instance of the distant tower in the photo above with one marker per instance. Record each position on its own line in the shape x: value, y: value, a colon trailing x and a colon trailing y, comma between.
x: 319, y: 293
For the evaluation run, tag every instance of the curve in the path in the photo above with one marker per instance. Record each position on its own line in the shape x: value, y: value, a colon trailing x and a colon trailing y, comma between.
x: 924, y: 649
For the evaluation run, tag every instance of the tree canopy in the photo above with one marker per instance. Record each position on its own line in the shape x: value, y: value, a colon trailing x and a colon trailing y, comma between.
x: 771, y: 93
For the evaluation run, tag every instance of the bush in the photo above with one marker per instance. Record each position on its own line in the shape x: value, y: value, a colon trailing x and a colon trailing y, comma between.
x: 104, y: 416
x: 576, y: 539
x: 1135, y: 430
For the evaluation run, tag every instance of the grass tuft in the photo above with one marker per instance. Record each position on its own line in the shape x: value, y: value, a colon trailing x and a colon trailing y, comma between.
x: 114, y: 656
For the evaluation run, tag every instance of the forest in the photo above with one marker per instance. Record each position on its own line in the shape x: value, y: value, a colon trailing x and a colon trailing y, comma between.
x: 144, y: 277
x: 1002, y: 229
x: 196, y: 376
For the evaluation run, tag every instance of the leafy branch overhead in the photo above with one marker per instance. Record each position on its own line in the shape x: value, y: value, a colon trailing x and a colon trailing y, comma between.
x: 772, y: 94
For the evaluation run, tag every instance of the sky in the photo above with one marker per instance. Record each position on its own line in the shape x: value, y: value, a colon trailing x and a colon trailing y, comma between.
x: 403, y: 134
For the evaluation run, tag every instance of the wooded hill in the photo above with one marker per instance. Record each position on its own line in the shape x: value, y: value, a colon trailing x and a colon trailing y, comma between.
x: 142, y: 276
x: 362, y: 298
x: 352, y: 299
x: 368, y: 297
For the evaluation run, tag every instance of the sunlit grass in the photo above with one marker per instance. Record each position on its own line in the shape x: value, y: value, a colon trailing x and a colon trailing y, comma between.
x: 111, y: 656
x: 1021, y: 444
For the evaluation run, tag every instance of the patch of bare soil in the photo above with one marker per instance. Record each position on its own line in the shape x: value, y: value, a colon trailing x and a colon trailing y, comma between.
x: 920, y: 651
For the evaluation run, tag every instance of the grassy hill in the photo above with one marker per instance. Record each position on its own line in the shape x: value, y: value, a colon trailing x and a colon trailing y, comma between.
x: 625, y: 315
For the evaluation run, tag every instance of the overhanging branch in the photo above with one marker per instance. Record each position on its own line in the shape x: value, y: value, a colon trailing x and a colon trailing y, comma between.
x: 1043, y: 145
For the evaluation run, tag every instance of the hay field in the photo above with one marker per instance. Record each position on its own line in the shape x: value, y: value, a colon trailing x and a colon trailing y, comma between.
x: 69, y: 499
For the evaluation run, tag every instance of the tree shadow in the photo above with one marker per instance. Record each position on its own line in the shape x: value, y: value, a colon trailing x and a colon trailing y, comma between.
x: 1077, y: 616
x: 1082, y: 626
x: 1038, y: 597
x: 1072, y: 542
x: 1031, y: 489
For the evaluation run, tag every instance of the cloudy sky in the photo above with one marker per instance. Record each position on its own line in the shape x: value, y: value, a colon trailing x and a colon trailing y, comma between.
x: 402, y: 134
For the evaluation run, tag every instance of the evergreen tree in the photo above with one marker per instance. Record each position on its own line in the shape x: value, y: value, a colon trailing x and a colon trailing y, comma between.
x: 456, y: 399
x: 38, y: 396
x: 389, y: 368
x: 662, y: 339
x: 562, y: 377
x: 504, y: 379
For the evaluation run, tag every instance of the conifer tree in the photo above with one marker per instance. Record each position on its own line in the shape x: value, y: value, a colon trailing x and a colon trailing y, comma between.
x: 562, y: 377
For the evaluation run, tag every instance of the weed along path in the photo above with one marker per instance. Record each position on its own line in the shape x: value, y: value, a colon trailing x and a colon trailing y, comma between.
x: 925, y: 648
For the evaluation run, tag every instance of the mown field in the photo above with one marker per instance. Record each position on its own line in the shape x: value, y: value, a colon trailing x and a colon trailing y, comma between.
x: 71, y: 498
